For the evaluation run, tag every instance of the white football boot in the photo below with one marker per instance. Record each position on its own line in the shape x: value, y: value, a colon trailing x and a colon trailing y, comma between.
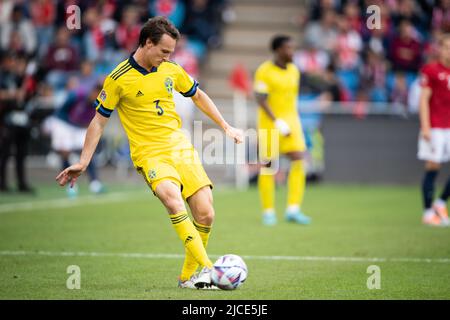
x: 203, y: 280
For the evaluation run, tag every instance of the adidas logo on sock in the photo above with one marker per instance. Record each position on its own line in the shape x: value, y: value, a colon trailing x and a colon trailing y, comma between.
x: 139, y: 94
x: 188, y: 239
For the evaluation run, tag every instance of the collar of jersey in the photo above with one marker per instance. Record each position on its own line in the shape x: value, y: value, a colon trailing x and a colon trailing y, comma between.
x: 138, y: 67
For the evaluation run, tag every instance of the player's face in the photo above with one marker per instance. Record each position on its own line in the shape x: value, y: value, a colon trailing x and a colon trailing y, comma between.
x: 445, y: 50
x: 160, y: 52
x: 287, y: 51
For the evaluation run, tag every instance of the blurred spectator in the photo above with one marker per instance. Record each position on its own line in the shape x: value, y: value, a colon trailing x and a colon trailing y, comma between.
x: 174, y: 10
x: 311, y: 59
x: 322, y: 34
x: 98, y: 39
x: 399, y: 92
x: 43, y: 15
x: 405, y: 50
x: 127, y: 33
x: 441, y: 15
x: 17, y: 30
x: 61, y: 58
x: 409, y: 10
x: 202, y: 25
x: 16, y: 87
x: 348, y: 45
x: 62, y: 55
x: 86, y: 79
x: 332, y: 90
x: 373, y: 76
x: 352, y: 14
x: 318, y: 8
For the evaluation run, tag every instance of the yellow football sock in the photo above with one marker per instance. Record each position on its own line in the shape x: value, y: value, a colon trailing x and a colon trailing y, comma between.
x: 266, y: 186
x: 191, y: 238
x: 190, y: 265
x: 296, y: 183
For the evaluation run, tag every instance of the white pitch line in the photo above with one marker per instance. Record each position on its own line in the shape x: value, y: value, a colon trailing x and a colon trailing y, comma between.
x: 180, y: 256
x: 66, y: 202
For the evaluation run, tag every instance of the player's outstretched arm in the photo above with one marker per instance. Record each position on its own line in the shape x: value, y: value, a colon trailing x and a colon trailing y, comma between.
x: 424, y: 113
x: 93, y: 134
x: 204, y: 103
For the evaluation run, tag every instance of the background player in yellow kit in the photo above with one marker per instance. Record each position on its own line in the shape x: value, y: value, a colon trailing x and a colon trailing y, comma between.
x: 141, y: 89
x: 276, y: 89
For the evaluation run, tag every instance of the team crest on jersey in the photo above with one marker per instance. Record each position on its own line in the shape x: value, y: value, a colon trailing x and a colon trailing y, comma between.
x: 152, y: 173
x: 103, y: 95
x: 169, y: 85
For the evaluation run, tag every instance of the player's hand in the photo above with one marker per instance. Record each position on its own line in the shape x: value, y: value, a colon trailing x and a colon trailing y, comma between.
x: 283, y: 127
x: 70, y: 174
x: 426, y: 135
x: 236, y: 134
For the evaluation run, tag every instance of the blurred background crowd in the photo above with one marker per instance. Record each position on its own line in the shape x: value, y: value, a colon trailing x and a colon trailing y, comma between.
x: 47, y: 68
x: 351, y: 62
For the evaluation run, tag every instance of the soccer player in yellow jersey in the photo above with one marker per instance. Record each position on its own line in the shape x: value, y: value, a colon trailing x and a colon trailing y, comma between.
x: 141, y: 89
x: 276, y: 88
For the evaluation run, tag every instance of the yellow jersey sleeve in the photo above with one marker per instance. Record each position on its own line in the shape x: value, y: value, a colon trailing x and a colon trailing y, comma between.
x: 184, y: 83
x: 261, y: 83
x: 108, y: 98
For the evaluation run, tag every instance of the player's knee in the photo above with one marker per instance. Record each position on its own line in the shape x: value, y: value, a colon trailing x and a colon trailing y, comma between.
x: 174, y: 205
x: 205, y: 215
x: 172, y: 201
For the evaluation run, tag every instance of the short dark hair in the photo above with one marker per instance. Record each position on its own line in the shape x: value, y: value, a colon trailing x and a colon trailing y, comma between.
x: 155, y: 28
x: 278, y: 41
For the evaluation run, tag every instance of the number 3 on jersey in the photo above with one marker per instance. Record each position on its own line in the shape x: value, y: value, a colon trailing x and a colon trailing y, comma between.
x: 160, y: 109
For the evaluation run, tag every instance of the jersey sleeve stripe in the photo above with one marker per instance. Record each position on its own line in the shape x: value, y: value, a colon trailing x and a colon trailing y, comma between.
x: 191, y: 91
x: 96, y: 103
x: 104, y: 111
x: 122, y: 72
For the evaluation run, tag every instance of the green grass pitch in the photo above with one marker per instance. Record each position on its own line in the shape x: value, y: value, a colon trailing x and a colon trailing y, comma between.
x: 40, y: 236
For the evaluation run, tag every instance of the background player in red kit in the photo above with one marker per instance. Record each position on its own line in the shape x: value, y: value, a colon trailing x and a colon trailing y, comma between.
x: 434, y: 140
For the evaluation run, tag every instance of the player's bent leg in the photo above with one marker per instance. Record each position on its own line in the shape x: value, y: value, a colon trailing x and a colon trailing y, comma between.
x: 202, y: 211
x: 430, y: 217
x: 296, y: 190
x: 170, y: 195
x: 201, y: 205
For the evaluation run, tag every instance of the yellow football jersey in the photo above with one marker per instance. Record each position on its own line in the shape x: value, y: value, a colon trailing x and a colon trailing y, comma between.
x: 145, y: 104
x: 281, y: 87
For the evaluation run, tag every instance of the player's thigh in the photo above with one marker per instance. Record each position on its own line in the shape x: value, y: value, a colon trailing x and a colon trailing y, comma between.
x: 192, y: 174
x: 434, y: 149
x: 155, y: 171
x: 201, y: 205
x: 170, y: 195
